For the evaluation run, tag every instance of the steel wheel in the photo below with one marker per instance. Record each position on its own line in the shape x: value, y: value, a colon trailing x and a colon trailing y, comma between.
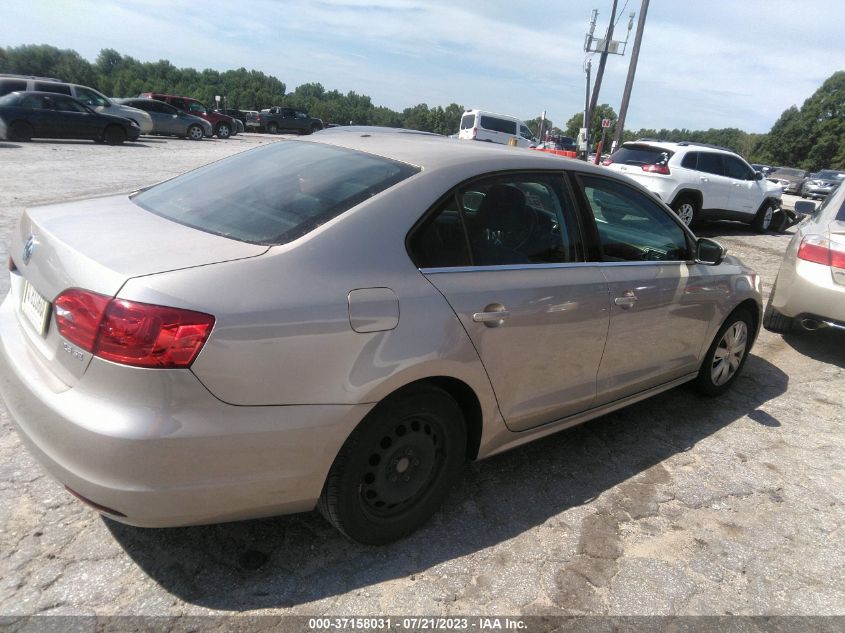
x: 223, y: 131
x: 402, y: 466
x: 397, y: 466
x: 763, y: 220
x: 729, y: 353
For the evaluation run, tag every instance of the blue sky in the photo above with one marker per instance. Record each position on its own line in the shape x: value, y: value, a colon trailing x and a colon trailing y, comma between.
x: 703, y: 64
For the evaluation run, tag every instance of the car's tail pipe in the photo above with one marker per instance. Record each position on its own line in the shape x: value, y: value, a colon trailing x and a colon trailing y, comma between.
x: 812, y: 325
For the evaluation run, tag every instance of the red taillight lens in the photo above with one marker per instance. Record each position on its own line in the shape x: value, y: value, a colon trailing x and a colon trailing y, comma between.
x: 656, y: 169
x: 607, y: 162
x: 78, y: 316
x: 152, y: 336
x: 820, y: 250
x: 129, y: 332
x: 474, y: 132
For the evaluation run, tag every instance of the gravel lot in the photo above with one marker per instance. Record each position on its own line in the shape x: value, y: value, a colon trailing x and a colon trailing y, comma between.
x: 677, y: 505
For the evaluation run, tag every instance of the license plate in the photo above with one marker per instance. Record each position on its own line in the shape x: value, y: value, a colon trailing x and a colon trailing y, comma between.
x: 35, y: 307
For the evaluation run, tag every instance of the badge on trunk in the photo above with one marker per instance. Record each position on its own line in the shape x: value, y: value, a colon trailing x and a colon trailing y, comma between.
x: 28, y: 248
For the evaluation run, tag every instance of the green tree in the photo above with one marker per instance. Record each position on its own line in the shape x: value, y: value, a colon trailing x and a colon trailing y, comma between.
x: 603, y: 111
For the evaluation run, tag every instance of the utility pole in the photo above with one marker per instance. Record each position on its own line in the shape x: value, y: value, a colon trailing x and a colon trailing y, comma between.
x: 603, y: 60
x: 629, y: 82
x: 587, y: 113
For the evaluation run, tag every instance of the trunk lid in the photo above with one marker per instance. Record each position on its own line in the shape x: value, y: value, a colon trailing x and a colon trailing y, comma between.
x: 98, y: 244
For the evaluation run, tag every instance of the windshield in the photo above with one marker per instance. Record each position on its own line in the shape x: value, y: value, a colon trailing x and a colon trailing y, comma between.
x: 641, y: 155
x: 467, y: 121
x: 786, y: 171
x: 274, y: 194
x: 9, y: 99
x: 829, y: 174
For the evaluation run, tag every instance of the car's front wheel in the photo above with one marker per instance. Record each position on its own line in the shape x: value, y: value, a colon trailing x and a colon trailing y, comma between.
x: 686, y: 209
x: 223, y: 131
x: 395, y: 469
x: 195, y: 132
x: 114, y: 135
x: 727, y: 354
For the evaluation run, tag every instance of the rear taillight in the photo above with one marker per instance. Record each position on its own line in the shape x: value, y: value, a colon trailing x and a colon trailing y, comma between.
x: 474, y: 132
x: 607, y: 162
x: 131, y: 333
x: 12, y: 266
x: 656, y: 169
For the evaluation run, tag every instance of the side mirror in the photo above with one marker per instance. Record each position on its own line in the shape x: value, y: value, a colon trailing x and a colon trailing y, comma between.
x: 709, y: 252
x: 805, y: 206
x: 758, y: 175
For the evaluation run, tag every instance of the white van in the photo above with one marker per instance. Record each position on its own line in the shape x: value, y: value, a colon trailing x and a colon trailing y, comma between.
x: 480, y: 125
x: 90, y: 97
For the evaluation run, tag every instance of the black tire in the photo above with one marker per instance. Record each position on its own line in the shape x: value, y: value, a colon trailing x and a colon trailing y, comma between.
x: 195, y: 132
x: 315, y: 128
x: 114, y: 135
x: 705, y: 382
x: 773, y: 320
x: 20, y: 131
x: 273, y: 128
x: 763, y: 220
x: 223, y: 131
x: 686, y: 208
x: 396, y: 467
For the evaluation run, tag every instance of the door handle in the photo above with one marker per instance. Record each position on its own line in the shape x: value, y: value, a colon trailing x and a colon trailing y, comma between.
x: 627, y: 300
x: 703, y: 179
x: 493, y: 315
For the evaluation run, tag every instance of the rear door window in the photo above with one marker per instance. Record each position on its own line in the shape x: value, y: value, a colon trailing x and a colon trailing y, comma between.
x: 11, y: 85
x: 498, y: 125
x: 43, y: 86
x: 274, y: 194
x: 690, y: 161
x: 710, y: 163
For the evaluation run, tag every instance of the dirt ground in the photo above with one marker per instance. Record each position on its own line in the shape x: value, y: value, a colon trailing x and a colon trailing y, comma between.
x: 676, y: 505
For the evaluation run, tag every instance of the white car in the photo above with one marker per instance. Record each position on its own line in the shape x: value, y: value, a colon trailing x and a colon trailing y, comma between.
x: 700, y: 182
x: 809, y: 291
x: 480, y: 125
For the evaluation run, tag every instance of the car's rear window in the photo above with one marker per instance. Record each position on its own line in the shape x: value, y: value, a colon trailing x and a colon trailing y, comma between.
x: 467, y: 121
x: 274, y: 194
x: 641, y: 155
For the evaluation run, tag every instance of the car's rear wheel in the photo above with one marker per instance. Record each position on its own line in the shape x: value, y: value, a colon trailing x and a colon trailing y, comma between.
x: 273, y: 128
x: 315, y: 128
x: 763, y: 220
x: 20, y: 131
x: 114, y: 135
x: 686, y: 209
x: 395, y: 469
x: 727, y: 354
x: 223, y: 131
x: 195, y: 132
x: 773, y: 320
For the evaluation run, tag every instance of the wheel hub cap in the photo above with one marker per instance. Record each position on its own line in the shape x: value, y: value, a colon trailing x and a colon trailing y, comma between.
x: 729, y: 353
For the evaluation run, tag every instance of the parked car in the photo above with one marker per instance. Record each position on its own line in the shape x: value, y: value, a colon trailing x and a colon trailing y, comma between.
x: 791, y: 179
x: 480, y: 125
x: 239, y: 126
x: 223, y: 125
x: 238, y: 115
x: 700, y: 182
x: 763, y: 169
x: 809, y: 291
x: 411, y: 301
x: 279, y: 119
x: 169, y: 121
x: 819, y: 185
x: 90, y: 97
x: 31, y: 115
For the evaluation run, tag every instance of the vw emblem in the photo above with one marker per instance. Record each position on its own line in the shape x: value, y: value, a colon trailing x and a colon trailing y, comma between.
x: 28, y: 248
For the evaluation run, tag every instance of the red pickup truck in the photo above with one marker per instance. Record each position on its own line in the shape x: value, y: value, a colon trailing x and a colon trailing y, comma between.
x: 223, y: 125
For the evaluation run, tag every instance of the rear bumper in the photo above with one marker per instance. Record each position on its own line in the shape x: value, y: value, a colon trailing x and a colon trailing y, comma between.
x: 807, y: 289
x: 157, y: 447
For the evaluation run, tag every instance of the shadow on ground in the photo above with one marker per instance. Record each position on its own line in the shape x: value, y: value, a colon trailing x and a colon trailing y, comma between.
x: 285, y: 561
x: 826, y: 345
x: 726, y: 228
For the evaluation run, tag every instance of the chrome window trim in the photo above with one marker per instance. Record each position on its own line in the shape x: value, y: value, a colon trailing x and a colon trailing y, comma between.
x: 505, y: 267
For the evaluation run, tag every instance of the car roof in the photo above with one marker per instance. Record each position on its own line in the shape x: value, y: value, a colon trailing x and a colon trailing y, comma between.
x: 44, y: 93
x: 676, y: 146
x: 433, y: 151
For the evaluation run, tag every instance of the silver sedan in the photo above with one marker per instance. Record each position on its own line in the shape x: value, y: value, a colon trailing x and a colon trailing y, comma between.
x: 361, y: 313
x: 809, y: 292
x: 167, y: 120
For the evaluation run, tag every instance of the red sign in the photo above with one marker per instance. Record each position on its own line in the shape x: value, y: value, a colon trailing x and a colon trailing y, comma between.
x: 605, y: 122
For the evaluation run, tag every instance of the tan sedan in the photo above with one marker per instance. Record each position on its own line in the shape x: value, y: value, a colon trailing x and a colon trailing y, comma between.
x: 347, y: 324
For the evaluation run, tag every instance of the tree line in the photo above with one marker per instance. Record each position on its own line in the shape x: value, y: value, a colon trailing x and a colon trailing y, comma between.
x: 810, y: 137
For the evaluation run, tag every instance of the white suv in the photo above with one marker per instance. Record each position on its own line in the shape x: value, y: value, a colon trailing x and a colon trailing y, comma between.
x: 700, y: 182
